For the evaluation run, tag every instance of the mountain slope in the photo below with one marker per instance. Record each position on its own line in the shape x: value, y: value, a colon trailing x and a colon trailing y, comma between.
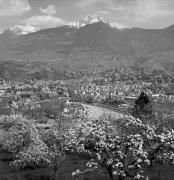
x: 95, y: 42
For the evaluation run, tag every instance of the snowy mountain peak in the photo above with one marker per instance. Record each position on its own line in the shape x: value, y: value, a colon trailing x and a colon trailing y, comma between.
x: 118, y: 26
x: 22, y: 29
x: 94, y: 19
x: 87, y: 20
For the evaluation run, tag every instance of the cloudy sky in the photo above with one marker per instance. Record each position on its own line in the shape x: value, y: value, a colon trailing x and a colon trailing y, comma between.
x: 51, y: 13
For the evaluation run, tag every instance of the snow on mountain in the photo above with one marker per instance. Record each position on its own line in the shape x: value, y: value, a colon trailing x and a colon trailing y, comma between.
x: 22, y: 29
x: 17, y: 30
x: 117, y: 25
x: 87, y: 20
x: 94, y: 19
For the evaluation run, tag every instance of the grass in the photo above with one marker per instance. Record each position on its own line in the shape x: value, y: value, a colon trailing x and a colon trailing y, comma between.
x: 72, y: 162
x: 163, y: 172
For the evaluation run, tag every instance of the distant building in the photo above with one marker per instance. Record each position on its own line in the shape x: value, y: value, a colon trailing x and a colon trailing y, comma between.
x: 120, y: 93
x: 131, y: 97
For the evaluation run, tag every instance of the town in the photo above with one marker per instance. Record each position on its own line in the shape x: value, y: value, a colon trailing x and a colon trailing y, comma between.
x: 68, y: 105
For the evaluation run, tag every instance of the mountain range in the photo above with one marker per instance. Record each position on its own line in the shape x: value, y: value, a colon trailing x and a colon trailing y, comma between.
x: 89, y: 43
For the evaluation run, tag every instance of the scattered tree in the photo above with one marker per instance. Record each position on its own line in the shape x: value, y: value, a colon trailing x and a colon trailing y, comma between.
x: 143, y: 107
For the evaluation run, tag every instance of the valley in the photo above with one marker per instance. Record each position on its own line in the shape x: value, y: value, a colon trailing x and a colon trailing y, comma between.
x: 86, y: 100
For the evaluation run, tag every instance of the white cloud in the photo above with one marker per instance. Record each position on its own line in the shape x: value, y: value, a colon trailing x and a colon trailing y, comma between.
x: 140, y: 10
x: 86, y: 3
x: 50, y: 10
x: 14, y: 7
x: 114, y: 6
x: 130, y: 10
x: 107, y: 4
x: 44, y: 21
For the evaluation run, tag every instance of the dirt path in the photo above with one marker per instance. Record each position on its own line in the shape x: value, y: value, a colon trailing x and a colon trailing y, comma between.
x: 96, y: 112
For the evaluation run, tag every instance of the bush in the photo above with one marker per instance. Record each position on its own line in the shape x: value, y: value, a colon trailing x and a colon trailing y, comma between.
x: 89, y: 99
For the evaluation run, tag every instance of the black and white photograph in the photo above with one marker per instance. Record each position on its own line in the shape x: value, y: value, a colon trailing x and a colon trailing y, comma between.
x: 86, y: 89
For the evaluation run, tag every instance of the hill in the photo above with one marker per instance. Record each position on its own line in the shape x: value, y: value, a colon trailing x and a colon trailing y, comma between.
x: 93, y: 45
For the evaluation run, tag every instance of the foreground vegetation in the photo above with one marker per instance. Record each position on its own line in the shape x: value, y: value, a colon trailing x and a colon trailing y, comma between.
x: 116, y: 149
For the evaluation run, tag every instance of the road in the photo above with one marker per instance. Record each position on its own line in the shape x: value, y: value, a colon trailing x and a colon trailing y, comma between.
x: 95, y: 112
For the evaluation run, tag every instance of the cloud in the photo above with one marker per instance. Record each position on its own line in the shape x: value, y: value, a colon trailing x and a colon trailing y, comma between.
x: 14, y: 7
x: 50, y: 10
x: 115, y: 4
x: 85, y: 3
x: 136, y: 10
x: 44, y: 21
x: 147, y: 10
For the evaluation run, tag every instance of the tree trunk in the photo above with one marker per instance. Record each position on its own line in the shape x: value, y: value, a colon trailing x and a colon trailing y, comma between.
x: 147, y: 178
x: 60, y: 121
x: 109, y: 169
x: 18, y: 174
x: 55, y: 173
x: 151, y: 163
x: 111, y: 177
x: 121, y: 177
